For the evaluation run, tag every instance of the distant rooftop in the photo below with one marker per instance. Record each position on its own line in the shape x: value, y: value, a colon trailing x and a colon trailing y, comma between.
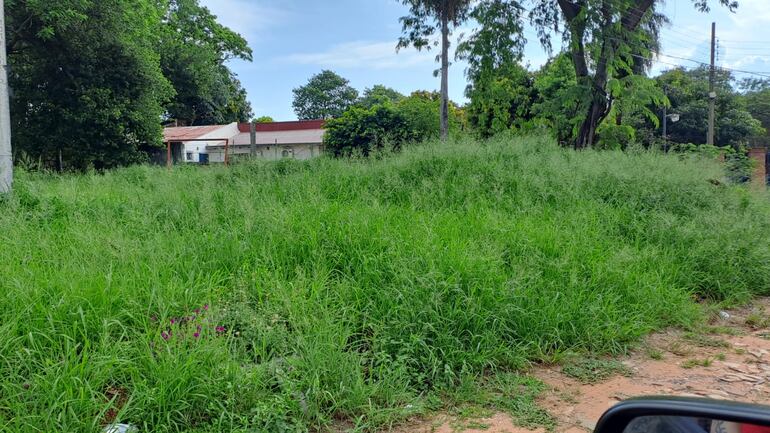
x: 185, y: 133
x: 297, y: 125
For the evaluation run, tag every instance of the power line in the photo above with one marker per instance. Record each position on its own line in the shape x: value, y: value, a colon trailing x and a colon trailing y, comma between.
x: 658, y: 53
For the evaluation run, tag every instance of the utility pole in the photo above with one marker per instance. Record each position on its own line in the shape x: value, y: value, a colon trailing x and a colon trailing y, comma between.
x: 253, y: 139
x: 712, y: 94
x: 665, y: 129
x: 6, y: 159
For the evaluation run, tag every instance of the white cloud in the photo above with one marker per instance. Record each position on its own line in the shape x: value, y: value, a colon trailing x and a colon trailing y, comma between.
x: 364, y: 54
x: 250, y: 18
x: 379, y: 55
x: 750, y: 13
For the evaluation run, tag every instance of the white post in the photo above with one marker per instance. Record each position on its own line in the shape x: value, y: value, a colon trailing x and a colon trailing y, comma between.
x: 6, y: 159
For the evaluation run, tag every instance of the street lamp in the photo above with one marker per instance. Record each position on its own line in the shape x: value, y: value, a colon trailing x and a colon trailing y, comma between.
x: 674, y: 118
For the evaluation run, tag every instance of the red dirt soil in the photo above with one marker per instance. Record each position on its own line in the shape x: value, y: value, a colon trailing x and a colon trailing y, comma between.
x: 733, y: 364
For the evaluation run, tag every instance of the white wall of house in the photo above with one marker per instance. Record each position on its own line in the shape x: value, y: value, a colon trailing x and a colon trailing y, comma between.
x: 301, y: 151
x: 193, y: 149
x: 302, y: 145
x: 299, y: 144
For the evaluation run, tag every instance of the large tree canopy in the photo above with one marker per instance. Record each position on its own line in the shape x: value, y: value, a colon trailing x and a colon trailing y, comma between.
x: 92, y: 80
x: 605, y: 39
x: 378, y: 94
x: 325, y: 96
x: 194, y: 48
x: 87, y: 86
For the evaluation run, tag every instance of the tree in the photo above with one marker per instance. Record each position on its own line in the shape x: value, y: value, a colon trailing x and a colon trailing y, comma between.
x: 194, y: 49
x: 558, y: 103
x: 500, y: 89
x: 363, y: 130
x: 757, y: 101
x: 72, y: 107
x: 426, y: 17
x: 379, y: 94
x: 688, y: 89
x: 263, y: 119
x: 603, y: 37
x: 325, y: 96
x: 389, y: 125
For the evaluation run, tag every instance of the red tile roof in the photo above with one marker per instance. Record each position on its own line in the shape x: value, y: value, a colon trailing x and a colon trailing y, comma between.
x: 298, y: 125
x: 184, y: 133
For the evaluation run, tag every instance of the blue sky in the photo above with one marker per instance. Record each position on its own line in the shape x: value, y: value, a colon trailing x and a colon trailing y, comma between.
x: 294, y: 39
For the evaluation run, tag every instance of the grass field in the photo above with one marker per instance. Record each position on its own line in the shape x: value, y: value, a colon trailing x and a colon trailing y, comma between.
x: 294, y: 295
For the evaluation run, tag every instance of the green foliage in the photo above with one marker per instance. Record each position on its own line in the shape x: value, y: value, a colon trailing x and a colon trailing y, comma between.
x: 607, y: 41
x: 377, y: 95
x: 361, y: 131
x: 688, y: 92
x: 615, y: 137
x: 425, y: 18
x: 756, y: 99
x: 415, y: 118
x: 498, y: 43
x: 68, y: 100
x: 325, y: 96
x: 350, y: 289
x: 501, y: 100
x: 738, y: 165
x: 92, y: 80
x: 194, y: 48
x: 560, y: 98
x: 507, y: 392
x: 500, y: 90
x: 263, y: 119
x: 422, y: 112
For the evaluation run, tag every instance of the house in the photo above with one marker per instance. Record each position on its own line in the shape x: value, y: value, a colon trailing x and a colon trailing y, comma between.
x: 278, y: 140
x: 222, y: 143
x: 189, y: 144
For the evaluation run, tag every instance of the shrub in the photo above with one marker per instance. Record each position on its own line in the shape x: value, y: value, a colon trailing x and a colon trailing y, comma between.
x: 615, y: 137
x: 362, y: 130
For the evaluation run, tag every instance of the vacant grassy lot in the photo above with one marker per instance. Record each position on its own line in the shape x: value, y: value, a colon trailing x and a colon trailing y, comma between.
x: 288, y: 296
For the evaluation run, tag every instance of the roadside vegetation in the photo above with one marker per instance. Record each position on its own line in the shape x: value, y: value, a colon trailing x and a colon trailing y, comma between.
x: 292, y: 295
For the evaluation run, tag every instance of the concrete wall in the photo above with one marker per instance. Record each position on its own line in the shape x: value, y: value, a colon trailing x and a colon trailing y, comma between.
x: 759, y: 156
x: 267, y: 152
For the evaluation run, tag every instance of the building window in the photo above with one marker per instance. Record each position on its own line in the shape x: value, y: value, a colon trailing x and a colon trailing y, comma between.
x: 189, y: 156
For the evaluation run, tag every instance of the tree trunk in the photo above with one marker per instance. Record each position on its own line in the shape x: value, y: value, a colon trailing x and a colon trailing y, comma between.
x: 599, y: 107
x: 597, y: 112
x: 445, y: 74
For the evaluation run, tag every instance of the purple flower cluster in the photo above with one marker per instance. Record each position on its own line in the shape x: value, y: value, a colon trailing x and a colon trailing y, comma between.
x: 195, y: 325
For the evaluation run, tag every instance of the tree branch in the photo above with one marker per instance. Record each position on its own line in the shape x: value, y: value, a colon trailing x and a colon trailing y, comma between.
x: 634, y: 16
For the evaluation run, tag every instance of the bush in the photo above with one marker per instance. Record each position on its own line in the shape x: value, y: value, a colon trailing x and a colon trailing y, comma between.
x: 615, y: 137
x: 387, y: 126
x: 362, y: 130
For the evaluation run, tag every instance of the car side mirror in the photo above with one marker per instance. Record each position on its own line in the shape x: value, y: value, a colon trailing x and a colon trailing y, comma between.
x: 684, y: 415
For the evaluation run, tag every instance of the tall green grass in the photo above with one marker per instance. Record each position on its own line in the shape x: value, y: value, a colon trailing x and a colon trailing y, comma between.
x: 348, y: 290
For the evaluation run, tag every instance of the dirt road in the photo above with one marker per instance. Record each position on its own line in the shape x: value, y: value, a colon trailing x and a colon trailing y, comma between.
x: 728, y: 360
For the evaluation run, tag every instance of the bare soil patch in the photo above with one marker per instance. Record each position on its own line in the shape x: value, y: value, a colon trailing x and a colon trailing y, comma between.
x: 729, y: 359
